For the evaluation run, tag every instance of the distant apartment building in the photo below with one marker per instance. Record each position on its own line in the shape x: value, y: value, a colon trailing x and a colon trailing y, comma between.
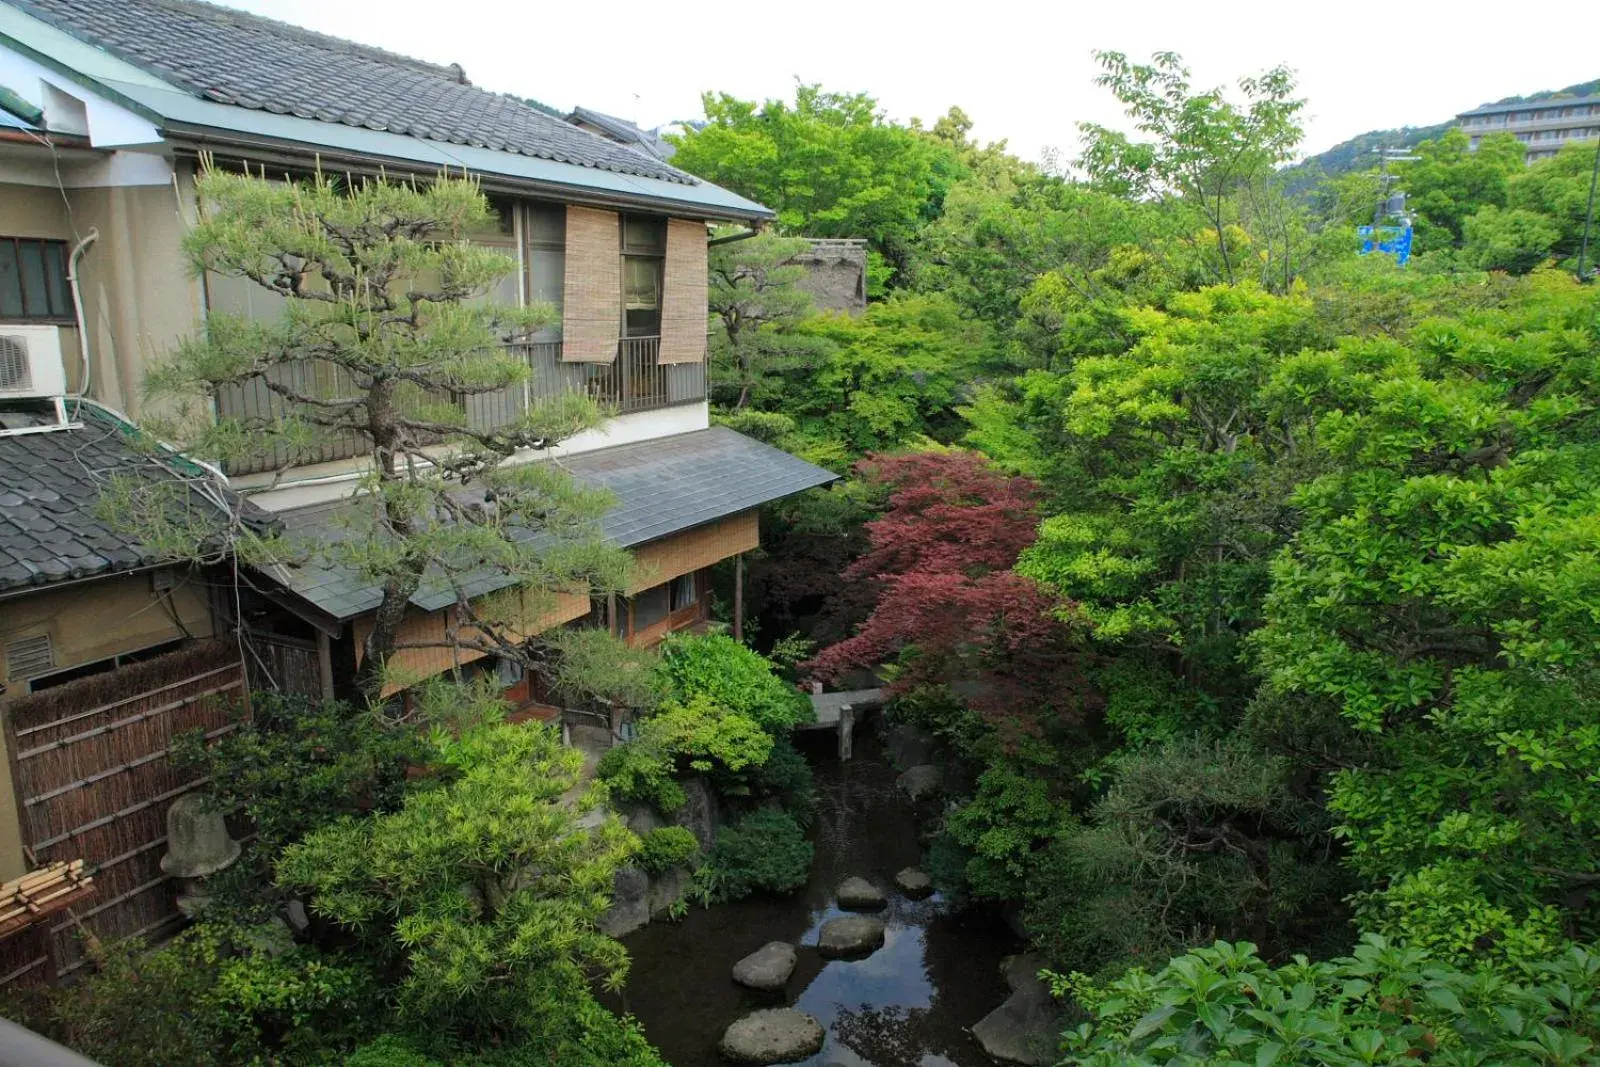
x: 1544, y: 126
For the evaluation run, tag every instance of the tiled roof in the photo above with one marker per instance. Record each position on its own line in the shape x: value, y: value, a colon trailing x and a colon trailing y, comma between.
x: 251, y: 62
x: 50, y: 486
x: 662, y: 487
x: 1532, y: 105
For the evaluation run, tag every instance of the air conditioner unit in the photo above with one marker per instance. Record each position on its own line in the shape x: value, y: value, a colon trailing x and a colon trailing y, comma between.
x: 30, y: 363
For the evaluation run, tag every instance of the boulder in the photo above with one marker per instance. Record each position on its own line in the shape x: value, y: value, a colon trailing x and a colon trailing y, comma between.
x: 630, y: 903
x: 921, y: 781
x: 858, y: 894
x: 641, y: 818
x: 914, y: 883
x: 666, y: 889
x: 299, y: 921
x: 852, y: 935
x: 768, y: 967
x: 776, y: 1035
x: 1026, y: 1028
x: 700, y: 814
x: 908, y: 746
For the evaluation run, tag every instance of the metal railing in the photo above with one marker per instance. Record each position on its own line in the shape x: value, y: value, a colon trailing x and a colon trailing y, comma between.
x: 636, y: 380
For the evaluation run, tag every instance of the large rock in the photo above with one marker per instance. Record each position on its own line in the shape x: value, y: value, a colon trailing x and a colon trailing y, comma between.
x: 701, y: 815
x: 1026, y: 1028
x: 776, y: 1035
x: 921, y: 781
x: 666, y: 889
x: 768, y: 967
x: 914, y: 883
x: 908, y: 746
x: 630, y: 903
x: 851, y: 935
x: 858, y: 894
x: 641, y: 818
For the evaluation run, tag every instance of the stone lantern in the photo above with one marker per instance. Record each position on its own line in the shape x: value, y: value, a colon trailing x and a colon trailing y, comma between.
x: 198, y: 846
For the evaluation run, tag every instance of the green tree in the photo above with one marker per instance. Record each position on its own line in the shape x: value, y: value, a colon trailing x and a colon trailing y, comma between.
x: 1441, y: 597
x: 1511, y: 240
x: 1557, y: 189
x: 481, y: 892
x: 890, y: 375
x: 830, y: 164
x: 384, y: 335
x: 1205, y: 158
x: 756, y: 299
x: 1450, y: 181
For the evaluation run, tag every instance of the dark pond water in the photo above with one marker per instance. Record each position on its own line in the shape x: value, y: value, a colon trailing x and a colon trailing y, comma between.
x: 907, y: 1005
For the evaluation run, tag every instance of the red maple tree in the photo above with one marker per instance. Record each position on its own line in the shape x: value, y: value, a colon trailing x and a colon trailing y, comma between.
x: 940, y: 561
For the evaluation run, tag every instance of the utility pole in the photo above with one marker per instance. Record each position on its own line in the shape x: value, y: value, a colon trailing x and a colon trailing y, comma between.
x: 1588, y: 218
x: 1385, y: 157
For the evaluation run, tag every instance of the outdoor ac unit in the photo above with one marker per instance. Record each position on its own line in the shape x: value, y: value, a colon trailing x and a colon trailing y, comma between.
x: 30, y: 363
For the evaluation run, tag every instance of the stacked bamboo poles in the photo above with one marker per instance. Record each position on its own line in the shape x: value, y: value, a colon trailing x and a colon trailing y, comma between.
x: 26, y: 900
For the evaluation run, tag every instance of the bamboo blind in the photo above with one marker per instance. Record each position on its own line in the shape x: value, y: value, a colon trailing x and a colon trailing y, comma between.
x: 591, y: 318
x: 683, y: 310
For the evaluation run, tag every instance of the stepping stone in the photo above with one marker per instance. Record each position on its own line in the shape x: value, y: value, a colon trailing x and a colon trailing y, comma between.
x: 775, y: 1035
x: 858, y: 894
x: 852, y: 935
x: 914, y: 883
x: 768, y: 967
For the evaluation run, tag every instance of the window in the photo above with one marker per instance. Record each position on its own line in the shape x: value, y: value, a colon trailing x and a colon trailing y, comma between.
x: 33, y: 280
x: 650, y: 607
x: 644, y: 250
x: 684, y: 593
x: 546, y: 240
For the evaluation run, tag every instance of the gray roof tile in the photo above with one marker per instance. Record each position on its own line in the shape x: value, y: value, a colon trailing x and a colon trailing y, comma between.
x: 252, y: 62
x: 662, y: 487
x: 50, y: 488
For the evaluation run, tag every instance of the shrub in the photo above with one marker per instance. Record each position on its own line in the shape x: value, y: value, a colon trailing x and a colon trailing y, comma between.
x: 765, y: 851
x: 295, y: 764
x: 666, y: 847
x: 786, y: 777
x: 692, y: 737
x: 643, y: 774
x: 204, y: 998
x: 734, y: 677
x: 1382, y: 1004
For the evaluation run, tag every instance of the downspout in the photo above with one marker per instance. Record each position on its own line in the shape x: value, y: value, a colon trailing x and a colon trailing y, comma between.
x: 77, y: 311
x: 729, y: 239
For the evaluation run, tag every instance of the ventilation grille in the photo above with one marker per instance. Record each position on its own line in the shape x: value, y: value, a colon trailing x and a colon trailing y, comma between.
x: 15, y: 373
x: 29, y: 657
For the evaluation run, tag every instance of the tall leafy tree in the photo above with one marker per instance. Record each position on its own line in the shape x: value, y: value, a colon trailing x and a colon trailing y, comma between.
x: 1441, y: 598
x: 1203, y: 155
x: 1451, y: 181
x: 830, y: 164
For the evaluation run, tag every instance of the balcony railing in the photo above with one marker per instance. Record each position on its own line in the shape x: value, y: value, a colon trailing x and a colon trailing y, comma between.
x: 635, y: 381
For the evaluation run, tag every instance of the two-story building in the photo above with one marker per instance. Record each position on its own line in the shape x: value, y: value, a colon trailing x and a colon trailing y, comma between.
x: 106, y: 107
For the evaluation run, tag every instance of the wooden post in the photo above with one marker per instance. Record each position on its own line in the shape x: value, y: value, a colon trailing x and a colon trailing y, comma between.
x: 738, y: 597
x: 325, y: 664
x: 847, y: 723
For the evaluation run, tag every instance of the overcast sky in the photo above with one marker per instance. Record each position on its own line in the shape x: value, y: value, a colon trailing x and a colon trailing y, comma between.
x: 1022, y: 71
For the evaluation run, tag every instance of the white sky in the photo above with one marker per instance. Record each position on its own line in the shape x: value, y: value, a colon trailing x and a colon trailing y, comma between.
x: 1022, y: 71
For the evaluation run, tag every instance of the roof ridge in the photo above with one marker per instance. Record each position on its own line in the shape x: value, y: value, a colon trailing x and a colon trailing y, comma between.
x: 240, y: 59
x: 452, y: 72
